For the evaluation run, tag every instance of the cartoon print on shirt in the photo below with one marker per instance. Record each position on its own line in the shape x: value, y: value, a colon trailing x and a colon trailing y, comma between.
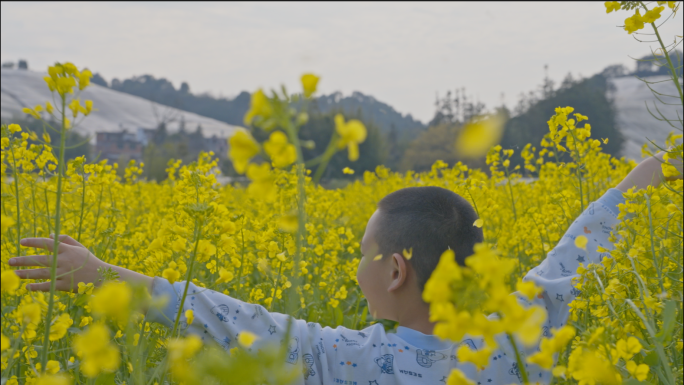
x: 426, y: 358
x: 565, y: 272
x: 515, y: 372
x: 386, y: 363
x: 308, y: 369
x: 319, y: 349
x: 258, y: 312
x: 224, y: 342
x: 348, y: 341
x: 293, y: 351
x: 222, y: 312
x: 575, y: 292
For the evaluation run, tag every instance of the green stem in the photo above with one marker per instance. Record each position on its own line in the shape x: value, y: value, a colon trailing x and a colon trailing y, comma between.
x: 518, y: 359
x: 325, y: 158
x: 510, y: 189
x: 16, y: 197
x: 655, y: 260
x: 55, y: 245
x: 242, y: 257
x: 188, y: 277
x: 275, y: 286
x: 659, y: 347
x: 667, y: 56
x: 301, y: 211
x: 80, y: 223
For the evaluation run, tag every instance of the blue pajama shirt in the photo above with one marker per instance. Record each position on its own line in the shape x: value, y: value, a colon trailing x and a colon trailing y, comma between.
x: 373, y: 357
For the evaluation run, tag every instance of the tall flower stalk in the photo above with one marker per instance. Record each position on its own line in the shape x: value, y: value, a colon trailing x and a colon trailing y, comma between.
x: 63, y: 78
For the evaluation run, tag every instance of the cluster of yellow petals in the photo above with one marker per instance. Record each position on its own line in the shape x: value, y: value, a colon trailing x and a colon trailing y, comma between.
x: 637, y: 20
x: 351, y: 134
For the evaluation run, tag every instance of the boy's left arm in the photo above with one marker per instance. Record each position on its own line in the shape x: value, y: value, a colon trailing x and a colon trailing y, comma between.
x: 556, y: 272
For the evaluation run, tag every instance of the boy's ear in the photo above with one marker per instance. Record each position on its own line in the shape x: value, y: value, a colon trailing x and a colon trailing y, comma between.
x: 398, y: 271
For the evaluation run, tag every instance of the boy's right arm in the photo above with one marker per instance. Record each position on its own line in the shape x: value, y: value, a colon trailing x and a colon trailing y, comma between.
x: 75, y: 263
x: 217, y: 317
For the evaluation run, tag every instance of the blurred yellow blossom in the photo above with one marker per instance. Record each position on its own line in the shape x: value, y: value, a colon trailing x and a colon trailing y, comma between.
x: 309, y: 84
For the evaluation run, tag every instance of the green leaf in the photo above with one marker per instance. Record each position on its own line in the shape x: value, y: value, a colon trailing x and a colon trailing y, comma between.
x: 105, y: 379
x: 339, y: 317
x: 364, y: 316
x: 633, y: 381
x: 651, y: 359
x: 669, y: 315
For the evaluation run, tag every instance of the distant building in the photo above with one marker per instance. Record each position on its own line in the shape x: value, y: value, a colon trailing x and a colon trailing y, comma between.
x: 121, y: 146
x: 218, y: 145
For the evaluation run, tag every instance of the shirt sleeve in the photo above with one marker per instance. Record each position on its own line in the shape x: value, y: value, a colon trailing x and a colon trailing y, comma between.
x: 555, y: 274
x: 324, y: 354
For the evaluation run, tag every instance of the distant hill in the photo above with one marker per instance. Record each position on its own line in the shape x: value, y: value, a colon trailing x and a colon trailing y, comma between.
x: 232, y: 111
x: 382, y: 114
x: 614, y: 100
x: 115, y: 111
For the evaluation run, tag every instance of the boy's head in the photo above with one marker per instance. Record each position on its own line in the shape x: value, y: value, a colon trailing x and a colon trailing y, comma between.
x: 427, y: 220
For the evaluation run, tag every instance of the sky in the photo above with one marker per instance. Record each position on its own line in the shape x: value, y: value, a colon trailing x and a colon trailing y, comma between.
x: 403, y: 53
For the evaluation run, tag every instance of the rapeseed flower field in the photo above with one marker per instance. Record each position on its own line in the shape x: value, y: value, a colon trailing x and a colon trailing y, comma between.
x: 286, y: 243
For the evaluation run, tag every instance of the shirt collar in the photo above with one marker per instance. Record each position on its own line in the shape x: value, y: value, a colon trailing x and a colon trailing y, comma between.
x: 422, y: 341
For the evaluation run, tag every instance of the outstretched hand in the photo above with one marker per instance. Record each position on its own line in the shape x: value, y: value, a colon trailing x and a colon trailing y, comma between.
x: 75, y: 263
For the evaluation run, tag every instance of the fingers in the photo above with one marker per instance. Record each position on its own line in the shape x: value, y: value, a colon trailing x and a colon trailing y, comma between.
x: 31, y: 260
x: 67, y: 239
x: 42, y: 286
x: 33, y: 274
x: 42, y: 243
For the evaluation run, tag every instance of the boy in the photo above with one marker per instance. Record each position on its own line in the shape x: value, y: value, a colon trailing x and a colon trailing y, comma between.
x: 427, y: 219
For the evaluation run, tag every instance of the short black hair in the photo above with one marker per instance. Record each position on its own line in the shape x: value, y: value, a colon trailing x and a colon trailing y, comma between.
x: 430, y: 220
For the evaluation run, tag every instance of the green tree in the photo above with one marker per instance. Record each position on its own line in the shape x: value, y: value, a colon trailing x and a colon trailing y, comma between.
x: 587, y: 96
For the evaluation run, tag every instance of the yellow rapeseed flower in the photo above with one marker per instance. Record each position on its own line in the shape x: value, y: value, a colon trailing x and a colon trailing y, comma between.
x: 351, y: 133
x: 9, y: 279
x: 478, y: 357
x: 262, y: 185
x: 640, y: 372
x: 634, y: 23
x: 260, y: 106
x: 51, y: 379
x: 4, y: 343
x: 171, y: 275
x: 612, y: 6
x: 246, y: 339
x: 581, y: 242
x: 97, y: 353
x: 189, y: 316
x: 242, y: 148
x: 59, y: 327
x: 528, y: 289
x: 112, y: 300
x: 309, y: 84
x: 457, y: 377
x: 479, y: 135
x: 652, y: 15
x: 224, y: 276
x: 282, y: 152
